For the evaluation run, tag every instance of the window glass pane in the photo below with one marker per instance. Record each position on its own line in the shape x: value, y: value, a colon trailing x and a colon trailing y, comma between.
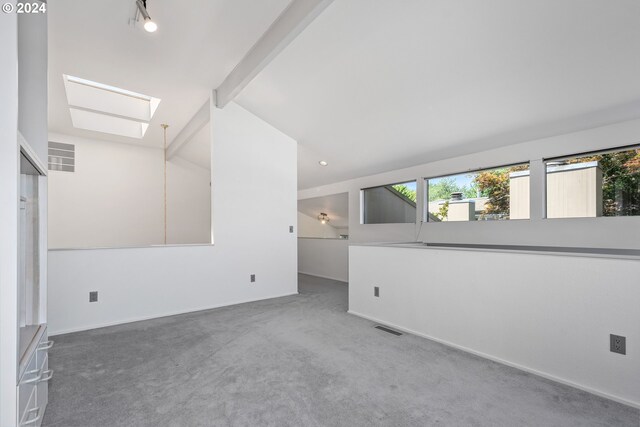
x: 593, y: 185
x: 393, y: 203
x: 490, y: 194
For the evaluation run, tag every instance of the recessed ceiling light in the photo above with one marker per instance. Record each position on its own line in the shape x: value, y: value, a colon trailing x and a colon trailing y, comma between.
x: 323, y: 163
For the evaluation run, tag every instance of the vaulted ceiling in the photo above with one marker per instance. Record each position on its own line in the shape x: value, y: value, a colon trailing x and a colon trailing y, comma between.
x: 195, y: 47
x: 369, y: 85
x: 336, y: 206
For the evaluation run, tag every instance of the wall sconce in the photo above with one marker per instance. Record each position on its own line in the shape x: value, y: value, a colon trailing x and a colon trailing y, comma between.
x: 323, y: 218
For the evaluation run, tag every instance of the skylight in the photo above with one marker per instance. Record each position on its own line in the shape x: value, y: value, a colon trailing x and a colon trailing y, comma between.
x: 108, y: 109
x: 89, y: 120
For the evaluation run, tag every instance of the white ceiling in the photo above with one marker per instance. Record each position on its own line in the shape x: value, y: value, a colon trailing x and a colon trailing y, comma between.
x: 335, y: 206
x: 372, y: 86
x: 197, y: 44
x: 369, y: 86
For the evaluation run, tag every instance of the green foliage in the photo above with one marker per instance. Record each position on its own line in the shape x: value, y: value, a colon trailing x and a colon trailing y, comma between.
x: 406, y: 192
x: 443, y: 212
x: 620, y: 186
x: 494, y: 184
x: 620, y: 181
x: 442, y: 189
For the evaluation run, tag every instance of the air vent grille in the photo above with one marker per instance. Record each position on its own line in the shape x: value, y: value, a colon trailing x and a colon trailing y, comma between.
x: 389, y: 330
x: 62, y: 157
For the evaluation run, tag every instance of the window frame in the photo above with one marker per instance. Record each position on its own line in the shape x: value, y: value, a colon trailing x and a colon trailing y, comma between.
x: 547, y: 160
x: 425, y: 180
x: 363, y: 202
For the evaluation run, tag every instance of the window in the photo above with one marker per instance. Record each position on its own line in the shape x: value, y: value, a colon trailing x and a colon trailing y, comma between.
x: 490, y: 194
x: 393, y: 203
x: 595, y: 184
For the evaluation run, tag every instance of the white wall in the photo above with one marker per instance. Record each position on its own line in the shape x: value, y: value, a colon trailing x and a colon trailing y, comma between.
x: 8, y: 217
x: 253, y: 173
x: 188, y: 202
x: 115, y: 198
x: 547, y: 314
x: 311, y: 227
x: 32, y: 45
x: 23, y: 106
x: 324, y: 258
x: 320, y: 251
x: 619, y: 232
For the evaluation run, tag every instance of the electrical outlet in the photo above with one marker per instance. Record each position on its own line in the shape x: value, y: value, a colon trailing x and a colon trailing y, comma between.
x: 618, y: 344
x: 253, y: 278
x: 376, y: 291
x: 291, y: 229
x: 93, y: 296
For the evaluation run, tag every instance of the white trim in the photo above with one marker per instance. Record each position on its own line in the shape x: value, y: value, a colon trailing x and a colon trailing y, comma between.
x: 30, y: 153
x: 43, y: 253
x: 291, y: 22
x: 199, y: 120
x: 504, y: 249
x: 106, y: 87
x: 570, y: 167
x: 324, y: 277
x: 99, y: 248
x: 504, y: 362
x: 173, y: 313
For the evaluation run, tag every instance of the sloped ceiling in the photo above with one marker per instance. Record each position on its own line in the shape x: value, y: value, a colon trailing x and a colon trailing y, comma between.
x: 195, y: 47
x: 372, y: 86
x: 335, y: 206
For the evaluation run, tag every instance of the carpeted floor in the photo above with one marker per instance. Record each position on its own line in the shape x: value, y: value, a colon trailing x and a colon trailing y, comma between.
x: 297, y: 361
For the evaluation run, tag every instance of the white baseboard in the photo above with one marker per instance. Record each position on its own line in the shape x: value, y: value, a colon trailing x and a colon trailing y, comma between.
x: 504, y: 362
x: 173, y: 313
x: 324, y: 277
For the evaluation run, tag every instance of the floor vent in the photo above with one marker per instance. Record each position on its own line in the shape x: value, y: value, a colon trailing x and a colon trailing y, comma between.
x: 391, y: 331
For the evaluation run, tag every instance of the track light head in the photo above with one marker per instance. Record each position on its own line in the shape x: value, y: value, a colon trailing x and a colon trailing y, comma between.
x: 149, y: 25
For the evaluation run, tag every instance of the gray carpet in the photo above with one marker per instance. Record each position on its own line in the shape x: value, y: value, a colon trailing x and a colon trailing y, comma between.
x: 297, y: 361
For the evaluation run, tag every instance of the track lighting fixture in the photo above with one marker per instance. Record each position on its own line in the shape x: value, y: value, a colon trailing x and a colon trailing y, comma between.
x: 149, y: 25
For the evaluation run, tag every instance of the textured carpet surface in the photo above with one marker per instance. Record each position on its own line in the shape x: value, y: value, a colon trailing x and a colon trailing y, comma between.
x: 297, y: 361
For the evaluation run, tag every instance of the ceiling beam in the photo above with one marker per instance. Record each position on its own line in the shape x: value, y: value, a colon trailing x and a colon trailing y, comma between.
x: 291, y: 22
x: 197, y: 122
